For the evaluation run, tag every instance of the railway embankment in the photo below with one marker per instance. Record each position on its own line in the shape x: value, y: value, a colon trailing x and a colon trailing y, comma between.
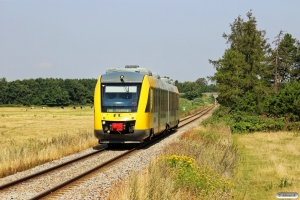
x: 101, y: 185
x: 197, y: 163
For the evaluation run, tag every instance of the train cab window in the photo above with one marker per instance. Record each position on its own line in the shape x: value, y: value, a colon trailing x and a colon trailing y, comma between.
x: 120, y: 97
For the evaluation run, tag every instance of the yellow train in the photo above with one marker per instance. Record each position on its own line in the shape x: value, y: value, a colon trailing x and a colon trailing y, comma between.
x: 133, y: 104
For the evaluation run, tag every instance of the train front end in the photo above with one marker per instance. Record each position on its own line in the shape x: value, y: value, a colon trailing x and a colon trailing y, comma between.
x: 119, y: 99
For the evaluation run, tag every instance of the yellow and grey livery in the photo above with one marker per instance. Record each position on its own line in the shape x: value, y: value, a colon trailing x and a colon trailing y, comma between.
x: 133, y: 104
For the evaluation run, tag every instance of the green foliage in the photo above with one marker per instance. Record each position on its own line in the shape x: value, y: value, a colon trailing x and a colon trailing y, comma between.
x: 49, y: 92
x: 195, y: 89
x: 242, y: 122
x: 241, y: 72
x: 195, y: 178
x: 190, y: 95
x: 208, y: 99
x: 186, y: 106
x: 198, y: 102
x: 284, y: 182
x: 3, y: 90
x: 284, y: 60
x: 254, y: 81
x: 286, y: 102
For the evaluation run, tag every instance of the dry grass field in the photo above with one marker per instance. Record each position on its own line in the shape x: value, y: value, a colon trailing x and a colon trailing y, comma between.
x: 269, y: 163
x: 22, y: 123
x: 29, y: 137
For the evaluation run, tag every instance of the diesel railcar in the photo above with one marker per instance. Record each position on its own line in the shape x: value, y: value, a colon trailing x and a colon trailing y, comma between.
x: 133, y: 104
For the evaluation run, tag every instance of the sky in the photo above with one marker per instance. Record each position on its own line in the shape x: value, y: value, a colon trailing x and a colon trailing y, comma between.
x: 79, y: 39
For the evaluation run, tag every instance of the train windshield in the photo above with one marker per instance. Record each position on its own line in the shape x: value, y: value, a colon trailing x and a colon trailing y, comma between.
x: 120, y: 98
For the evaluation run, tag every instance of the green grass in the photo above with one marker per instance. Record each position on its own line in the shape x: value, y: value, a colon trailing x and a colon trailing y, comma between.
x: 187, y: 107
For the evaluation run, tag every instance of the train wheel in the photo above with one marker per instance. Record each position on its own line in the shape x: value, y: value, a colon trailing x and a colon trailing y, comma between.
x: 151, y: 134
x: 110, y: 145
x: 167, y: 128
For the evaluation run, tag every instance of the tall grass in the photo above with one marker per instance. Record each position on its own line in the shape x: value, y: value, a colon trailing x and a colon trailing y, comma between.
x: 18, y: 157
x: 187, y: 107
x: 30, y: 137
x: 198, y: 166
x: 268, y: 164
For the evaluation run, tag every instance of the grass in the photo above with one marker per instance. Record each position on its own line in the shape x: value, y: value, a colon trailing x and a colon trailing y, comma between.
x: 188, y: 107
x: 268, y: 164
x: 30, y: 137
x: 205, y: 159
x: 20, y: 124
x: 198, y: 166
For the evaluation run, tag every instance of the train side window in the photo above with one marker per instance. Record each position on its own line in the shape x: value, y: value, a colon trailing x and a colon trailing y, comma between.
x: 148, y: 106
x: 155, y: 100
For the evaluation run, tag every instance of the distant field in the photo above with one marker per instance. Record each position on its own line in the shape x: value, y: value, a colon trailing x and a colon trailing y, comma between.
x: 22, y: 123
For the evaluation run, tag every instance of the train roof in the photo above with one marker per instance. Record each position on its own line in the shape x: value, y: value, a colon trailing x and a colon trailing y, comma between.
x: 137, y: 69
x: 131, y: 68
x: 135, y: 74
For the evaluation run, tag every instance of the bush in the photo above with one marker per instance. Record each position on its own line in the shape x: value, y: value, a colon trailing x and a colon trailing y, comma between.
x: 286, y: 102
x: 198, y: 102
x: 196, y: 178
x: 191, y: 95
x: 242, y: 122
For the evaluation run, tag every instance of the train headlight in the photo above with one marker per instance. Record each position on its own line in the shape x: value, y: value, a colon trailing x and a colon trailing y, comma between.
x: 103, y: 122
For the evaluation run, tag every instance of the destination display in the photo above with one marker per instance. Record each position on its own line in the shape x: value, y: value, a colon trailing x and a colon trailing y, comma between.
x: 118, y: 110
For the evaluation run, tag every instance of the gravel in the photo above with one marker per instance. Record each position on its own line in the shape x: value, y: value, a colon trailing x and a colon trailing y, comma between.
x: 96, y: 187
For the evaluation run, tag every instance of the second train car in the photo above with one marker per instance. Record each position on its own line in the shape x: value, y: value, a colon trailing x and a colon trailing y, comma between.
x: 133, y: 104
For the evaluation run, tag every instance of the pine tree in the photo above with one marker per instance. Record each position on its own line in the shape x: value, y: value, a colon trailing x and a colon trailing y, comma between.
x: 283, y: 59
x: 242, y: 73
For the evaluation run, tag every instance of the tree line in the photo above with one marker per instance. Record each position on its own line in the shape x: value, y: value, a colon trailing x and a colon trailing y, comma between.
x: 192, y: 90
x: 47, y: 92
x: 65, y: 92
x: 258, y: 78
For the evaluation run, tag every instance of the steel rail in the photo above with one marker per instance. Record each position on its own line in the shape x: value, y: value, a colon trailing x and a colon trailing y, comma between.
x: 196, y: 113
x: 127, y: 153
x: 53, y: 189
x: 25, y: 178
x: 57, y: 187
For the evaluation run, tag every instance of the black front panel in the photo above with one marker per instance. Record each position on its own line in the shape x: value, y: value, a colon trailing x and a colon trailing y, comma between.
x: 128, y: 127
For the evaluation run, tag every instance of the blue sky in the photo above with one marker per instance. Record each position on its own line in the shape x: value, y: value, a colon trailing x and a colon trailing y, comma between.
x: 81, y: 39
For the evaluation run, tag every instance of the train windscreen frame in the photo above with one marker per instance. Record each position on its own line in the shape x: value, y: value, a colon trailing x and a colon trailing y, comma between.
x: 120, y: 97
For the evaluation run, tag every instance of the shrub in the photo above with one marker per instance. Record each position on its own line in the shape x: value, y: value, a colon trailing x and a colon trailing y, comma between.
x: 195, y: 178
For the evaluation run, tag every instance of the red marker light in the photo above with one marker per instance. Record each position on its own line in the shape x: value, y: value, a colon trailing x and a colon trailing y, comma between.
x: 117, y: 127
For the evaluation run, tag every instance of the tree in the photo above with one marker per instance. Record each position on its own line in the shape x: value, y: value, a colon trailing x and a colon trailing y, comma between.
x: 286, y: 101
x: 230, y: 77
x: 295, y: 71
x: 283, y: 58
x: 242, y: 71
x: 190, y: 95
x: 3, y: 91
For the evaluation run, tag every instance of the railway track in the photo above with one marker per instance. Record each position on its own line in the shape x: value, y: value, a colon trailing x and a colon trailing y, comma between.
x: 56, y: 189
